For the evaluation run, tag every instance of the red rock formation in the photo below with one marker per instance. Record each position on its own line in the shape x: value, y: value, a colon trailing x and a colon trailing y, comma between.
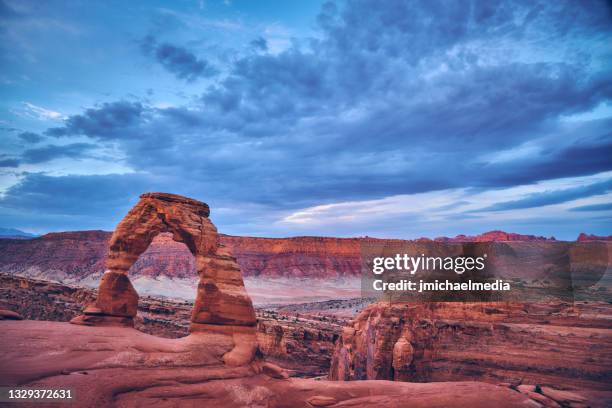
x: 222, y: 304
x: 75, y: 255
x: 554, y: 344
x: 72, y: 256
x: 165, y: 257
x: 126, y: 368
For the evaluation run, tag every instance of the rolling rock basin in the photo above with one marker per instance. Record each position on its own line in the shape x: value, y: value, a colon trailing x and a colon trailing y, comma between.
x: 106, y: 362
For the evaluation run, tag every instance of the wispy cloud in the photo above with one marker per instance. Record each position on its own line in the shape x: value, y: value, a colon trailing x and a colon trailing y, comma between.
x: 29, y: 110
x: 594, y: 207
x: 453, y: 205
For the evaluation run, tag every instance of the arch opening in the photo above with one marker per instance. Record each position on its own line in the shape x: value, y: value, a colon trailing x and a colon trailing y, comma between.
x: 165, y: 278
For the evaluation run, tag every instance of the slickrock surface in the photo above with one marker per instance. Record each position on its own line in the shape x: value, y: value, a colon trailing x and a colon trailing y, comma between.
x: 296, y: 340
x: 301, y: 343
x: 563, y: 345
x: 121, y: 367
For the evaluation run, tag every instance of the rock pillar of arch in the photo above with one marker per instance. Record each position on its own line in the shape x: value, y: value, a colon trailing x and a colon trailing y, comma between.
x: 221, y: 298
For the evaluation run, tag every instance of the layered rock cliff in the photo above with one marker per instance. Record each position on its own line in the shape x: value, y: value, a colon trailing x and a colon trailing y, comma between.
x: 301, y: 257
x: 554, y: 344
x: 74, y: 256
x: 63, y: 256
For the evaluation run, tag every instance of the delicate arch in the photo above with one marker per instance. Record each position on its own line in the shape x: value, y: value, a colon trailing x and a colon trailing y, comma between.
x: 221, y: 297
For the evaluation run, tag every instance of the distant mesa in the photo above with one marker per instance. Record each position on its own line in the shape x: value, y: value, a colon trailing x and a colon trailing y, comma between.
x: 589, y: 237
x: 13, y: 233
x: 495, y: 236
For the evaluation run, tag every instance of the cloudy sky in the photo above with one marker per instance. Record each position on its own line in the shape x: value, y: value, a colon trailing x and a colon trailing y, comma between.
x: 390, y: 119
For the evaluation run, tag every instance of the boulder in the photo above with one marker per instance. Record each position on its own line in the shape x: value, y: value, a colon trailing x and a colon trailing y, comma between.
x: 9, y: 315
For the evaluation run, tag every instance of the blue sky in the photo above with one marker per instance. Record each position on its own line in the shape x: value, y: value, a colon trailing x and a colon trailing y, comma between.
x: 390, y: 119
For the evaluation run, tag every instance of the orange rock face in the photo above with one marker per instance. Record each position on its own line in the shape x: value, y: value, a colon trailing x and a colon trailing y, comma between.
x: 116, y: 296
x: 57, y: 256
x: 221, y: 297
x: 300, y: 257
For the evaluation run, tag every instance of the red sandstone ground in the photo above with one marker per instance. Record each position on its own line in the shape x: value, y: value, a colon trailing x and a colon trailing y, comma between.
x: 112, y: 366
x: 302, y: 341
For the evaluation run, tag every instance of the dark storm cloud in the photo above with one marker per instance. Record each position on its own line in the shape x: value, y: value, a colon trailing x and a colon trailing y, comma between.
x: 51, y: 152
x: 552, y: 197
x: 110, y: 121
x: 593, y: 207
x: 30, y: 137
x: 74, y: 195
x: 177, y: 60
x: 260, y: 44
x: 9, y: 163
x: 575, y: 160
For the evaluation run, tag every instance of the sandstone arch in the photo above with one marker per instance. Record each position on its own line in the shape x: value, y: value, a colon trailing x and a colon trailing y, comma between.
x: 221, y: 298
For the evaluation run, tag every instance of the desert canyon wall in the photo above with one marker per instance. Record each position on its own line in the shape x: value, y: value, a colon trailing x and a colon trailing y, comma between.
x: 556, y: 344
x: 73, y: 256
